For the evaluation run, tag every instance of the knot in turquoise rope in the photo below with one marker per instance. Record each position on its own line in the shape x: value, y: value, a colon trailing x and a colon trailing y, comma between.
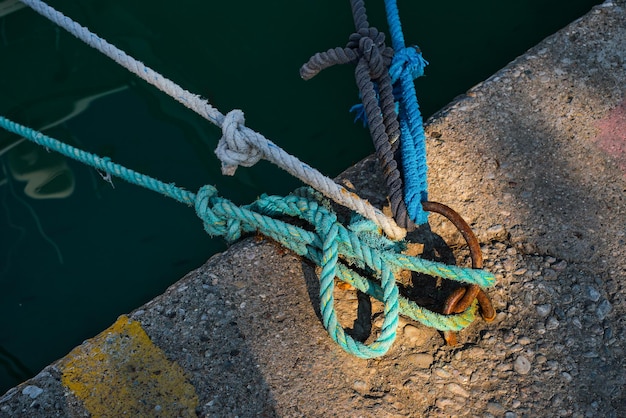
x: 324, y: 247
x: 216, y: 224
x: 359, y: 245
x: 407, y: 59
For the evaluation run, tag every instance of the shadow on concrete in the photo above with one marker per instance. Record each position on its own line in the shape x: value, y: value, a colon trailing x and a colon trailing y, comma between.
x: 215, y: 352
x: 528, y: 135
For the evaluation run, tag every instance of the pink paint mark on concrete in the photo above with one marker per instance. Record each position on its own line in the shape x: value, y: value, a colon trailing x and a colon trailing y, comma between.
x: 612, y: 137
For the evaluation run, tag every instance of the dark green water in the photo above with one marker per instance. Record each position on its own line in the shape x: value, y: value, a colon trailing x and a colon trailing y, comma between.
x: 76, y: 252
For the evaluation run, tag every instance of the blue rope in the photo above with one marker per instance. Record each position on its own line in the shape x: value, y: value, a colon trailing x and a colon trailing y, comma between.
x: 408, y: 64
x: 361, y: 245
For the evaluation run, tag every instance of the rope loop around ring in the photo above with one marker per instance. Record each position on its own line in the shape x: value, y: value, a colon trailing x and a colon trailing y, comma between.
x: 361, y: 245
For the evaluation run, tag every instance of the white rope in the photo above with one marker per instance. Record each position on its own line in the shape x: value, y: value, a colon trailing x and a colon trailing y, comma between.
x: 239, y: 144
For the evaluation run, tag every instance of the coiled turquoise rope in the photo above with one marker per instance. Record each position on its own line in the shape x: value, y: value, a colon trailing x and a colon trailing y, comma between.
x: 361, y: 245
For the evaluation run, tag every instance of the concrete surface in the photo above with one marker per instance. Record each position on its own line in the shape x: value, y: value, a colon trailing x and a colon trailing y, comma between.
x: 534, y: 158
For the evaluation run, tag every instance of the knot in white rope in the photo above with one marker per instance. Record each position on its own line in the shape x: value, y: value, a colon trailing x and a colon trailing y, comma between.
x: 236, y: 148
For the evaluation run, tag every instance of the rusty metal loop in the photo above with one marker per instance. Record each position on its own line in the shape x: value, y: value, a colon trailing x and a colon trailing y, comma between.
x: 463, y: 297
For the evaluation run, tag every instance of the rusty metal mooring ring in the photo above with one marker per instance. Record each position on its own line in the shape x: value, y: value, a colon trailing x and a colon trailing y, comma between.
x: 463, y: 297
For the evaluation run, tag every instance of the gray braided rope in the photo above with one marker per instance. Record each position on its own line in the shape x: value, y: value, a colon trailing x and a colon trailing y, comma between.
x: 383, y: 145
x: 239, y: 145
x: 359, y: 14
x: 367, y: 47
x: 323, y: 60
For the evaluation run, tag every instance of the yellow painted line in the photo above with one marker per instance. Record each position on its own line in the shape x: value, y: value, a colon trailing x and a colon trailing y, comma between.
x: 120, y: 372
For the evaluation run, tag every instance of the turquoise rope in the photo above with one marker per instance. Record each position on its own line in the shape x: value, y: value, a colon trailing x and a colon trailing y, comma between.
x: 408, y: 64
x: 103, y: 164
x: 361, y: 245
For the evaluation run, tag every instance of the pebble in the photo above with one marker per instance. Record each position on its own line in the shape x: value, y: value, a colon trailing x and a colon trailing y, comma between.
x: 456, y: 389
x: 540, y: 328
x: 509, y: 265
x: 496, y: 233
x: 549, y: 274
x: 603, y: 309
x: 475, y: 352
x: 32, y: 391
x: 552, y: 323
x: 421, y: 360
x: 417, y: 335
x: 411, y: 385
x: 556, y: 400
x: 445, y: 403
x: 559, y: 312
x: 521, y: 365
x: 495, y: 409
x: 597, y: 330
x: 552, y: 364
x: 360, y: 386
x: 592, y: 294
x: 503, y: 367
x: 544, y: 310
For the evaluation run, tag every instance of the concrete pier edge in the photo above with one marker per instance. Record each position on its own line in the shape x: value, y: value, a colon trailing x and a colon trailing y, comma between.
x: 534, y: 158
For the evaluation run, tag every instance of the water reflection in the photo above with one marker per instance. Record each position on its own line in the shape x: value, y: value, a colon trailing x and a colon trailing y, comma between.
x: 9, y: 6
x: 46, y: 174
